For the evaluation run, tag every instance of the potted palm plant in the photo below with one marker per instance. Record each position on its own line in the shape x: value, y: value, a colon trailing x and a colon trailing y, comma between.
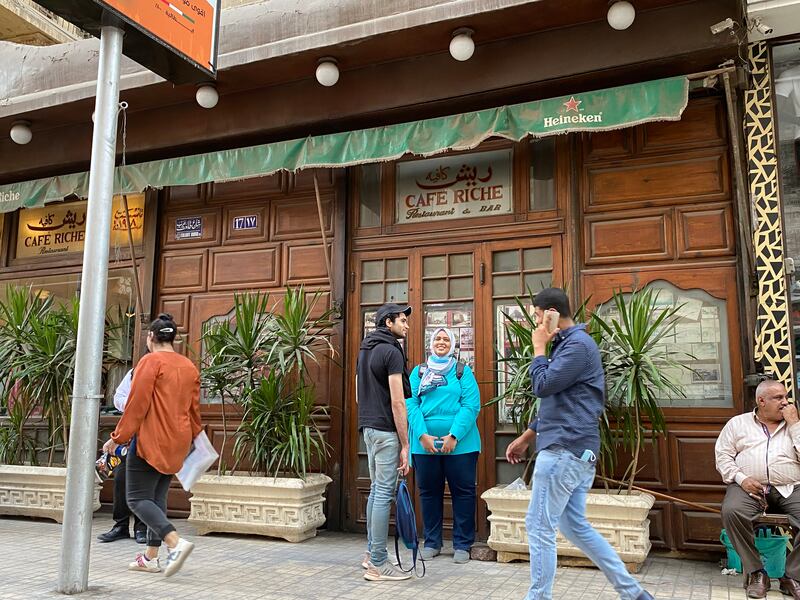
x: 629, y: 331
x: 37, y: 358
x: 259, y: 362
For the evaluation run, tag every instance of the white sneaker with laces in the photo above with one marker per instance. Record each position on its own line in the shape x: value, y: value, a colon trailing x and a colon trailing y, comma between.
x: 144, y: 564
x: 386, y: 572
x: 176, y: 556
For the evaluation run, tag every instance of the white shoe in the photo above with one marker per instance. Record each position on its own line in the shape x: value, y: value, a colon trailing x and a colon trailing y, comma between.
x: 176, y: 556
x: 142, y: 563
x: 386, y: 572
x: 365, y: 560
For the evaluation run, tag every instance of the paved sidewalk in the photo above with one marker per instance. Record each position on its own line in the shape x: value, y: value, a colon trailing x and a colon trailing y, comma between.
x: 325, y: 568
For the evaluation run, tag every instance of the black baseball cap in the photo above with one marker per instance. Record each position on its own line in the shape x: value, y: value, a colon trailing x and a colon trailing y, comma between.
x: 390, y: 308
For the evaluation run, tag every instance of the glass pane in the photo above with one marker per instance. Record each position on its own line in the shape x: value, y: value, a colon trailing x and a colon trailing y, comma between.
x: 786, y: 60
x: 543, y: 167
x: 363, y: 467
x: 434, y: 266
x: 372, y: 293
x: 372, y: 270
x: 505, y: 310
x: 434, y: 289
x: 537, y: 259
x: 368, y: 324
x: 397, y: 268
x: 538, y: 281
x: 369, y: 210
x: 461, y: 287
x: 461, y: 264
x: 397, y: 292
x: 506, y: 285
x: 699, y: 341
x: 505, y: 261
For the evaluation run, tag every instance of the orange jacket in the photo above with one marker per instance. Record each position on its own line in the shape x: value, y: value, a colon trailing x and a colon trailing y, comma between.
x: 163, y: 410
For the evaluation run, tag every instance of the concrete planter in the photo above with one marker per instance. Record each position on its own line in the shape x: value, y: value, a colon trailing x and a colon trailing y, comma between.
x: 620, y: 518
x: 36, y: 491
x: 283, y: 507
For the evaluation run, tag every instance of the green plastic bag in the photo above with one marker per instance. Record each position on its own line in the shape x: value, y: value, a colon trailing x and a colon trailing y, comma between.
x: 772, y: 549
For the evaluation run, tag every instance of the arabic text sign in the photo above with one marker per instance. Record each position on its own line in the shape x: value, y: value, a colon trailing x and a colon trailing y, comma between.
x: 454, y: 187
x: 187, y: 228
x: 189, y: 26
x: 60, y: 229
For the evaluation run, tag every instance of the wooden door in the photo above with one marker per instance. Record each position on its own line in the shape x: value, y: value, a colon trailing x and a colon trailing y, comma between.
x: 467, y: 288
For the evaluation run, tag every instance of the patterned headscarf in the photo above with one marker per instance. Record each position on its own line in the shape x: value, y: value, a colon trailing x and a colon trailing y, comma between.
x: 437, y: 366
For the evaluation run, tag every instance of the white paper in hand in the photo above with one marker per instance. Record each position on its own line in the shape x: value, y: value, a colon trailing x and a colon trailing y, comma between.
x: 201, y: 457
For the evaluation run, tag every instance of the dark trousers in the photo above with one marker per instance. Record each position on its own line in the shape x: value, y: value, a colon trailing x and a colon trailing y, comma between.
x: 739, y: 510
x: 147, y: 497
x: 122, y: 513
x: 459, y: 470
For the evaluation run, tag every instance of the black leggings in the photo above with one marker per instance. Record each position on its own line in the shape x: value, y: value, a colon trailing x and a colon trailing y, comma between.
x: 147, y: 497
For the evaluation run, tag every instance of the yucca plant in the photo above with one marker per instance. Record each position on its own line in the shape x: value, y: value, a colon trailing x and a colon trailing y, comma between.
x: 637, y: 368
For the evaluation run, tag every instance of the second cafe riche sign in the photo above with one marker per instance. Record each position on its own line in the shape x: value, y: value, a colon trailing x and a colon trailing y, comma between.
x: 454, y: 187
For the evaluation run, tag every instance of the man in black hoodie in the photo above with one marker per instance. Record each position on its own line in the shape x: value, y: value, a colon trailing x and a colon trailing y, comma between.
x: 382, y: 387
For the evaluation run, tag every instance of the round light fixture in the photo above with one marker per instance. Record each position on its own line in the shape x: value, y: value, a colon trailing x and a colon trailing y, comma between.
x: 21, y: 132
x: 621, y: 15
x: 327, y: 71
x: 206, y: 95
x: 461, y: 46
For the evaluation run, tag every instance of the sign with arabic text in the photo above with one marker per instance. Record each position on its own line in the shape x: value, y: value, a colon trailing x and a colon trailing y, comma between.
x: 61, y: 229
x: 187, y: 228
x: 454, y: 187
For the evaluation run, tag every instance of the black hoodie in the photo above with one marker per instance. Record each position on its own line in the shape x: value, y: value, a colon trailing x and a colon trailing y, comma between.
x: 380, y: 355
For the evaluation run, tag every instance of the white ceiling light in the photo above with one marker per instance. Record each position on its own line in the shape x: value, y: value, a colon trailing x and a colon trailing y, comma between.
x: 327, y: 71
x: 206, y: 95
x: 21, y: 132
x: 621, y: 15
x: 461, y: 46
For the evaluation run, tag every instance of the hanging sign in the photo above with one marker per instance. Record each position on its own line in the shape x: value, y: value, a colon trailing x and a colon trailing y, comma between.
x: 454, y: 187
x: 177, y: 39
x: 61, y: 229
x: 187, y: 228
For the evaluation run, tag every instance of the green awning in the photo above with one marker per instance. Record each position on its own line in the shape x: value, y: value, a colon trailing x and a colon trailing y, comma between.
x: 602, y: 110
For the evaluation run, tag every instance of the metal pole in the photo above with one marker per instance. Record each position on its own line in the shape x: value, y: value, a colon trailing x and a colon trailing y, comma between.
x: 76, y: 531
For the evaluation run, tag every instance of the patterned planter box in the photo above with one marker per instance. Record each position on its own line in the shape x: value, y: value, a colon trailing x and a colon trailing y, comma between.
x: 620, y: 518
x: 283, y: 507
x: 36, y: 491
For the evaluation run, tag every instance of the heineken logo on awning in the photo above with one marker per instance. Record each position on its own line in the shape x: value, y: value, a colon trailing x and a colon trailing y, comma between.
x: 573, y: 106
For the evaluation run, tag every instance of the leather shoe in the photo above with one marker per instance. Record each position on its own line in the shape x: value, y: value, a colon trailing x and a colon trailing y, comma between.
x: 141, y: 536
x: 790, y: 587
x: 117, y: 532
x: 757, y: 585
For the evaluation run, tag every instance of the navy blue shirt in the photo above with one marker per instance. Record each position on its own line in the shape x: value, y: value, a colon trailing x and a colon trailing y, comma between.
x: 570, y: 385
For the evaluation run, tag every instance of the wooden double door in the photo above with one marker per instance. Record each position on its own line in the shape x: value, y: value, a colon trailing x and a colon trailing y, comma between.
x: 469, y: 288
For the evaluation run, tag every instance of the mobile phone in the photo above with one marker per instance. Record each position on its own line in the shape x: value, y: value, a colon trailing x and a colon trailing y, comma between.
x: 551, y: 318
x: 438, y: 443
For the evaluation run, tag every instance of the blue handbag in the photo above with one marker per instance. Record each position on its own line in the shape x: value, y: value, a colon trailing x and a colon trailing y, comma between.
x: 405, y: 528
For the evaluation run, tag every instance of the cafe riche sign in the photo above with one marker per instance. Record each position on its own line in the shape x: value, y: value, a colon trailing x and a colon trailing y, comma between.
x: 61, y: 229
x: 454, y: 187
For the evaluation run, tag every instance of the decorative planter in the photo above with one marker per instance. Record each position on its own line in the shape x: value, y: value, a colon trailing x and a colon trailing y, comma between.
x: 620, y: 518
x: 283, y: 507
x: 36, y: 491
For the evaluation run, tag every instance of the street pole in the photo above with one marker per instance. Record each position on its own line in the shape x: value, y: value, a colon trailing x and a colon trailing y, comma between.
x: 76, y: 531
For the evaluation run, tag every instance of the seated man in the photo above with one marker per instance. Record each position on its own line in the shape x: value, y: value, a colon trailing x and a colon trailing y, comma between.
x: 758, y: 456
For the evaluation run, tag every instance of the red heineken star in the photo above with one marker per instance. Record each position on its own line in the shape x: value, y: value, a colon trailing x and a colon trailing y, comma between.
x: 572, y: 104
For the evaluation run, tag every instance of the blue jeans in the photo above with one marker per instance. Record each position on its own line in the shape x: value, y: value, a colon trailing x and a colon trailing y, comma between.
x: 383, y: 455
x: 459, y: 471
x: 558, y: 499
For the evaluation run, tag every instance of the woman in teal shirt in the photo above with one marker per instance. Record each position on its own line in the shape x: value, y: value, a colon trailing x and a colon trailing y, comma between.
x: 445, y: 443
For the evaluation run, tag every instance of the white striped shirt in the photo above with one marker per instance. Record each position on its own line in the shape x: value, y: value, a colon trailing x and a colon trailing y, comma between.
x: 746, y: 449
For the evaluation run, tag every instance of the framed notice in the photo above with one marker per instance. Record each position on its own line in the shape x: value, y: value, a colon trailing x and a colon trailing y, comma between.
x: 454, y: 187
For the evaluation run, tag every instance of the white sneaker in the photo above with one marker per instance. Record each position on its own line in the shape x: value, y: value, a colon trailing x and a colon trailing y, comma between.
x: 365, y: 560
x: 176, y: 557
x: 386, y: 572
x: 142, y: 563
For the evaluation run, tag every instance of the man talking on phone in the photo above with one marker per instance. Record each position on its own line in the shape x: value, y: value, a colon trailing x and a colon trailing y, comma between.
x: 570, y: 385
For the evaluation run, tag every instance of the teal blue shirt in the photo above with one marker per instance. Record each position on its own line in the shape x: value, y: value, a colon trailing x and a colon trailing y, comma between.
x: 450, y: 408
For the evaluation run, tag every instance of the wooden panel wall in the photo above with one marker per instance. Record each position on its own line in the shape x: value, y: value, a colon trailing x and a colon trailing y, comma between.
x: 656, y: 204
x: 198, y: 276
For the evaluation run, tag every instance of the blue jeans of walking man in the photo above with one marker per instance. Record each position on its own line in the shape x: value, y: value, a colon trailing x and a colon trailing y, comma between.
x: 558, y: 500
x: 383, y: 453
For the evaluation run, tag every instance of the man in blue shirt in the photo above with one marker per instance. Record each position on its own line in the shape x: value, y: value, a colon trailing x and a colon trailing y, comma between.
x: 570, y: 385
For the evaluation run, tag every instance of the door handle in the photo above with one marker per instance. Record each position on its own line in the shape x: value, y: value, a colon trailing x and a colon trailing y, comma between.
x: 482, y: 273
